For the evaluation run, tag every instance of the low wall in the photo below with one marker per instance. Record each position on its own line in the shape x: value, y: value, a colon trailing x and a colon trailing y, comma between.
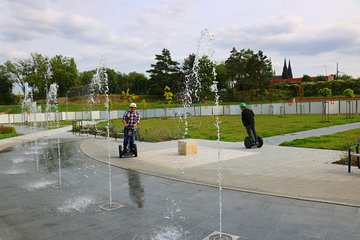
x: 328, y: 107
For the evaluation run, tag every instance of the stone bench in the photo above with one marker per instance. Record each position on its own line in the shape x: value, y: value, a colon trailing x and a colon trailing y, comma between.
x: 187, y: 147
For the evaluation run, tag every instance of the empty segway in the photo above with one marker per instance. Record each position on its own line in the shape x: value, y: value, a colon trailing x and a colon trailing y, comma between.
x: 250, y: 144
x: 130, y: 152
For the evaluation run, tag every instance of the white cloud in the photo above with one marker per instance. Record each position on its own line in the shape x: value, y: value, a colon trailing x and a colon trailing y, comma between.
x: 129, y: 33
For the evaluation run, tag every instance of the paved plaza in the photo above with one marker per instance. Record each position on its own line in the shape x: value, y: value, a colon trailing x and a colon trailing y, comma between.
x: 268, y: 193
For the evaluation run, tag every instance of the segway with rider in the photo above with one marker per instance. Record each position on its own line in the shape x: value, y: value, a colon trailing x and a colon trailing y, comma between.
x: 131, y: 119
x: 247, y: 117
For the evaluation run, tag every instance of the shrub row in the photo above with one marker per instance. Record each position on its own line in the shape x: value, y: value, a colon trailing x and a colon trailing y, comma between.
x: 7, y: 129
x: 312, y: 88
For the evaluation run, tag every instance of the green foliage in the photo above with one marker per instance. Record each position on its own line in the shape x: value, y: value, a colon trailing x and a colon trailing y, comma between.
x: 128, y: 97
x: 325, y: 92
x: 6, y: 96
x: 111, y: 105
x: 168, y: 95
x: 165, y: 72
x: 348, y: 93
x: 144, y: 104
x: 305, y: 78
x: 252, y: 71
x: 64, y: 73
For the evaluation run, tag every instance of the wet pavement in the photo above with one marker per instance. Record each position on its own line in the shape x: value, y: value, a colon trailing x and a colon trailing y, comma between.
x: 33, y: 205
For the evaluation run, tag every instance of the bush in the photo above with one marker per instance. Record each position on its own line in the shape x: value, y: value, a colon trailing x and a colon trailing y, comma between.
x: 325, y: 92
x: 348, y: 92
x: 7, y: 129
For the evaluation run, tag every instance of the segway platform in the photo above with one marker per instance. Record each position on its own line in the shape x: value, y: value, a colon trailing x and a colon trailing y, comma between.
x: 130, y: 153
x: 250, y: 144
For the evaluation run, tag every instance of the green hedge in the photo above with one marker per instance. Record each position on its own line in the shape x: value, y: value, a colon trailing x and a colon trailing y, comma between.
x: 7, y: 129
x: 312, y: 88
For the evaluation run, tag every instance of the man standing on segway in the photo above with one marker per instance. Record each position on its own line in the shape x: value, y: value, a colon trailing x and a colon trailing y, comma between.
x: 247, y: 117
x: 131, y: 119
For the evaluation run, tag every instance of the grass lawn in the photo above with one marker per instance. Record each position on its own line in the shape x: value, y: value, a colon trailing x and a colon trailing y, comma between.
x: 8, y: 135
x: 231, y: 129
x: 337, y: 141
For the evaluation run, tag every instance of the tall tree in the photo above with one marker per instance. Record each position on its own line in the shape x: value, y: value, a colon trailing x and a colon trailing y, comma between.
x: 252, y: 71
x: 64, y: 73
x: 165, y: 72
x: 139, y: 83
x: 206, y: 77
x: 18, y: 71
x: 198, y: 73
x: 6, y: 85
x: 112, y: 80
x: 39, y: 74
x: 221, y: 76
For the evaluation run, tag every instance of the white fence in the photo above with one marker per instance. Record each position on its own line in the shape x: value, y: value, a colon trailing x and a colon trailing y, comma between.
x: 329, y: 107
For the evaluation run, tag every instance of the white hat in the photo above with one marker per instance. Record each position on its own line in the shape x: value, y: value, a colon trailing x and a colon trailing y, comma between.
x: 133, y: 105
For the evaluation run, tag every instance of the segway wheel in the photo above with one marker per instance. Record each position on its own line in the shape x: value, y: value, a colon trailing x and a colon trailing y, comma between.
x: 260, y: 141
x: 120, y: 151
x: 248, y: 142
x: 135, y: 150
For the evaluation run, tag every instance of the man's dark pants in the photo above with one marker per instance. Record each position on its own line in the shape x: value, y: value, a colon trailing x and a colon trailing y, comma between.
x: 129, y: 140
x: 251, y: 131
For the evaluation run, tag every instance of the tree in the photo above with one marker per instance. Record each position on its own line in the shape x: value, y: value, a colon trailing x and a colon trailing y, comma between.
x: 250, y: 70
x: 165, y: 72
x: 112, y: 81
x: 39, y: 74
x: 199, y: 76
x: 306, y: 78
x: 206, y: 77
x: 6, y: 85
x: 139, y: 83
x: 18, y: 72
x: 64, y: 73
x: 221, y: 76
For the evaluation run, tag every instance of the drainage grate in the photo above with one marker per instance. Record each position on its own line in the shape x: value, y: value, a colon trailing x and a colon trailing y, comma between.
x: 224, y: 236
x: 111, y: 206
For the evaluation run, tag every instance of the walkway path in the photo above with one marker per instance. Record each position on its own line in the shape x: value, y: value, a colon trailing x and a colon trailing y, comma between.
x: 276, y: 140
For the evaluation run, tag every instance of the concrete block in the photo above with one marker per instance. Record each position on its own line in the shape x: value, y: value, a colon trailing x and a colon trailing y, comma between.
x: 186, y: 147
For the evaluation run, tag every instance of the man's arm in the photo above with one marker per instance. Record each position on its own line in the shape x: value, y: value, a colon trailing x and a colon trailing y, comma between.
x: 124, y: 120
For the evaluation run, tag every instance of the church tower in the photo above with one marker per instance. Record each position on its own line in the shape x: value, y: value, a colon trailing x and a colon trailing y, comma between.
x: 289, y: 75
x: 285, y: 70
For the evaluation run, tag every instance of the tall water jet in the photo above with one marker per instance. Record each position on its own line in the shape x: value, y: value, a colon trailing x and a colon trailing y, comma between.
x: 93, y: 91
x: 52, y: 107
x: 29, y: 110
x: 206, y: 49
x: 100, y: 83
x: 192, y: 86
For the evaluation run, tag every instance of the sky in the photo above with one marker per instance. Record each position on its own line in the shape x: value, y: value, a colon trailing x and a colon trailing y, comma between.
x: 314, y: 35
